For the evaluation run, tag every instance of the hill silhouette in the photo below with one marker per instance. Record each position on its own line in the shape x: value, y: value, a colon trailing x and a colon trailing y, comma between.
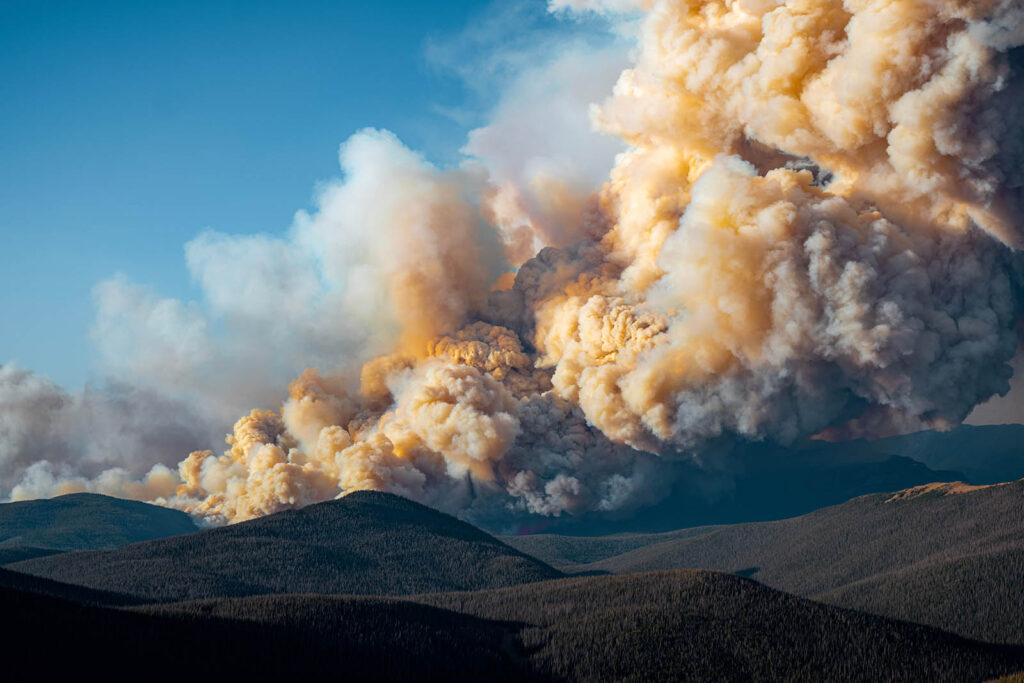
x: 359, y: 639
x: 84, y: 521
x: 987, y: 454
x: 701, y: 625
x: 978, y: 595
x: 366, y: 543
x: 947, y: 555
x: 664, y: 626
x: 303, y: 593
x: 24, y: 552
x: 18, y: 582
x: 677, y: 625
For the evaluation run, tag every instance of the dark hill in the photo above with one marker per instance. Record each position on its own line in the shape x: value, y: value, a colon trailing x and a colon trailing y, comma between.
x: 978, y: 594
x: 662, y: 626
x: 16, y: 581
x: 366, y: 543
x: 86, y: 521
x: 24, y: 552
x: 576, y: 553
x: 944, y: 555
x: 696, y: 625
x: 682, y: 625
x: 353, y: 639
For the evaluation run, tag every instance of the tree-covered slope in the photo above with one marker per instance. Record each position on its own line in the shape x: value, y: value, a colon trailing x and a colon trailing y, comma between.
x: 366, y: 543
x: 946, y: 555
x: 87, y: 521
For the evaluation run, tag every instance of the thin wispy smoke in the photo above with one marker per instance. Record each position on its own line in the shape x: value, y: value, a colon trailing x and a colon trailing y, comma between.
x: 813, y: 229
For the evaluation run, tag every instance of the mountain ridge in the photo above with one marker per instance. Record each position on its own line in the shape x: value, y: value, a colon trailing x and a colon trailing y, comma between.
x: 87, y: 521
x: 366, y: 543
x: 837, y: 554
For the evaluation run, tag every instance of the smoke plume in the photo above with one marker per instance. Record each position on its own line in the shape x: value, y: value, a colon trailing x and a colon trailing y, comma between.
x: 119, y: 440
x: 813, y: 230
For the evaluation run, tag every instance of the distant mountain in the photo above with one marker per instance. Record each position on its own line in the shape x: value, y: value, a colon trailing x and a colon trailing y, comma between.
x: 986, y: 455
x: 949, y: 555
x: 760, y: 482
x: 84, y: 521
x: 366, y: 543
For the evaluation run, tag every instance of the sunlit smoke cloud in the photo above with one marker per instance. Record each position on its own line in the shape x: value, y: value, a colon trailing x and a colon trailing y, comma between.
x: 811, y: 231
x: 545, y: 159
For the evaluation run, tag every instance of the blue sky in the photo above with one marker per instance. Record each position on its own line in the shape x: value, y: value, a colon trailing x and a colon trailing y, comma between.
x: 127, y: 128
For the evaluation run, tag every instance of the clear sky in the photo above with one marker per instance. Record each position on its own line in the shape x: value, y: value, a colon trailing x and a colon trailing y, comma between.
x: 126, y: 128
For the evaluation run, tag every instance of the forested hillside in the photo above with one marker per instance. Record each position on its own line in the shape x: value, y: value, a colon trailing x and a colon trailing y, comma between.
x: 946, y: 555
x: 366, y: 543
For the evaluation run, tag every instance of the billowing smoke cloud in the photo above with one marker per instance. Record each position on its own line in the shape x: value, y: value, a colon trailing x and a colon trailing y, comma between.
x: 543, y: 158
x: 395, y: 249
x: 117, y: 440
x: 813, y: 231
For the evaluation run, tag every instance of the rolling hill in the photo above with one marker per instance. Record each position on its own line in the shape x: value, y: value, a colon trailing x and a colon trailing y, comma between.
x: 305, y: 592
x: 979, y: 595
x: 700, y: 625
x: 18, y: 582
x: 679, y: 625
x: 358, y: 639
x: 366, y: 543
x: 947, y: 555
x: 18, y: 553
x: 84, y: 521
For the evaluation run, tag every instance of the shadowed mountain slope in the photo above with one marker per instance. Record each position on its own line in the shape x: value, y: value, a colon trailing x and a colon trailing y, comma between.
x: 977, y: 595
x: 578, y: 553
x: 16, y: 581
x: 353, y: 639
x: 19, y: 553
x: 946, y: 555
x: 490, y: 622
x: 698, y: 625
x: 765, y: 481
x: 366, y: 543
x: 683, y: 625
x: 86, y: 521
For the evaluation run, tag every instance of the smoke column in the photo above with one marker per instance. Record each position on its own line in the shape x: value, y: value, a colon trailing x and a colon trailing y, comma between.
x: 813, y: 231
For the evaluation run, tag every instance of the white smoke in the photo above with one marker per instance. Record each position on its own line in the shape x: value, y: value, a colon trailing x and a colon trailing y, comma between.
x: 599, y: 6
x: 812, y: 231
